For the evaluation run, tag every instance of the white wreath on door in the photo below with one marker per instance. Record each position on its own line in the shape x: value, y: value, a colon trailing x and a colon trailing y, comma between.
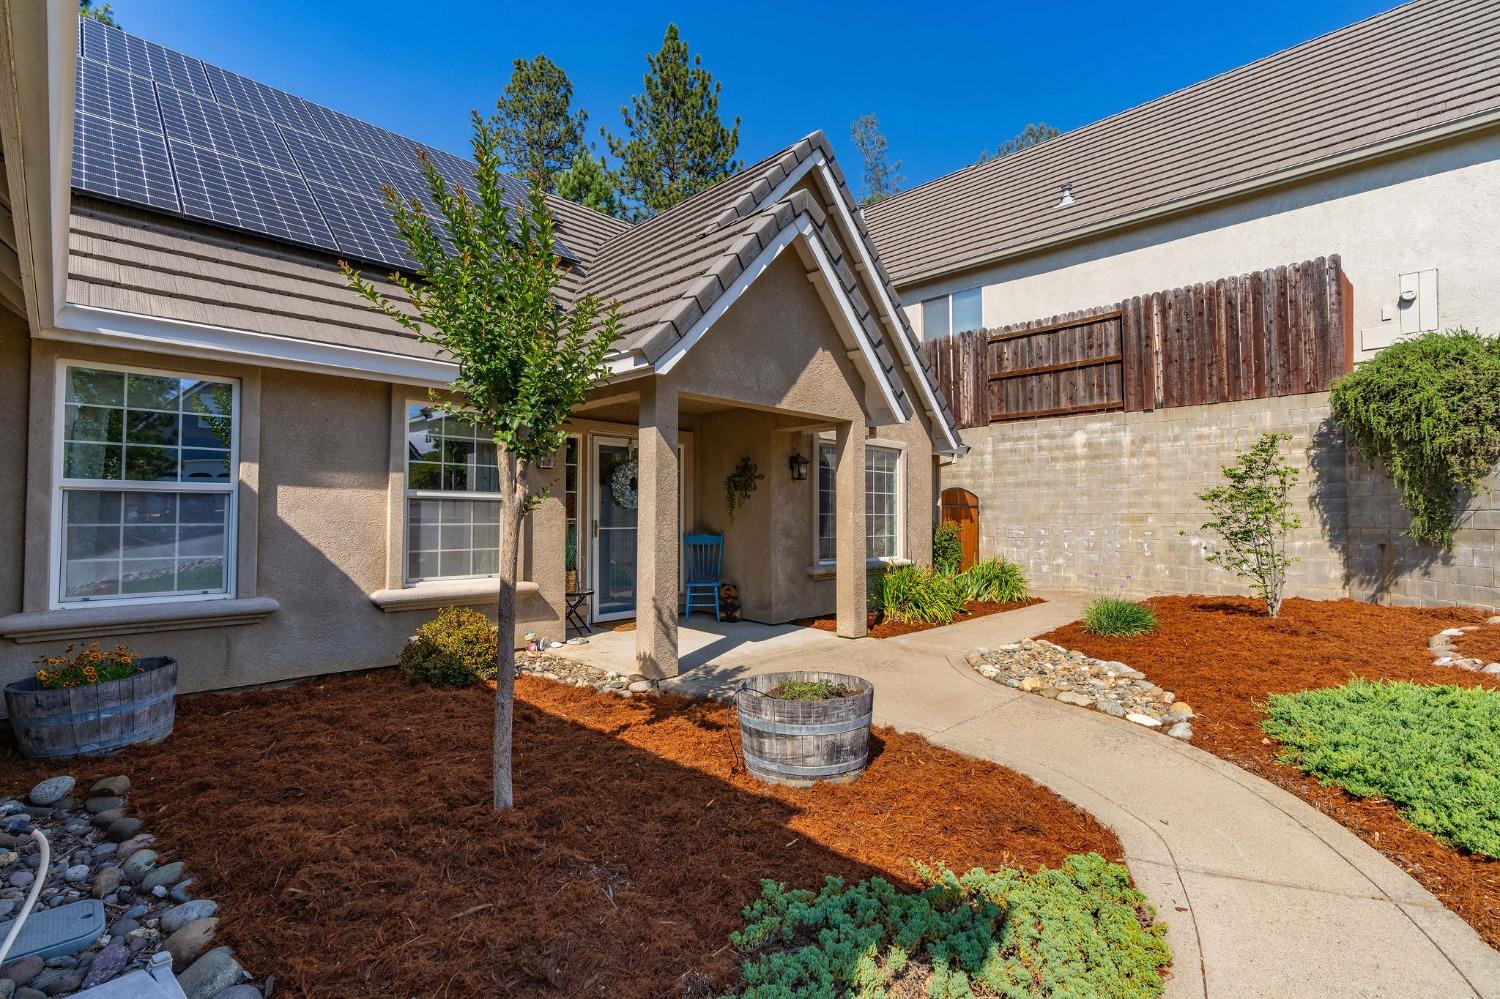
x: 623, y: 484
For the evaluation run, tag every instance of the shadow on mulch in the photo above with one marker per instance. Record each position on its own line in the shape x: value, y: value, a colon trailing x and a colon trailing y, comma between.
x: 882, y: 628
x: 344, y: 827
x: 1225, y: 657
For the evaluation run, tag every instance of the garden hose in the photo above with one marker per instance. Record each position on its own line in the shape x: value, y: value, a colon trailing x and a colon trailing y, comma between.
x: 36, y: 890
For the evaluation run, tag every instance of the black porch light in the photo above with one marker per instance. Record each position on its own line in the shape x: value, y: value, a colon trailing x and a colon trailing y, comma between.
x: 798, y: 464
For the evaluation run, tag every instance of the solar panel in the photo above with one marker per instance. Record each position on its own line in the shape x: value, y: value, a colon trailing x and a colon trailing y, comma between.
x: 163, y: 129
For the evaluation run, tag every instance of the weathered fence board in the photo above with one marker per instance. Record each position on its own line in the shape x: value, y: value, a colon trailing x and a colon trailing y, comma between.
x: 1281, y: 331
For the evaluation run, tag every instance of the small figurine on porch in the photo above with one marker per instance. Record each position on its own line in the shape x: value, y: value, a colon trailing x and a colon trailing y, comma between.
x: 729, y: 602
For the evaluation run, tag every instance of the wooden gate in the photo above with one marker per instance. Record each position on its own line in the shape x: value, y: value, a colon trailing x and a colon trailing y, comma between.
x: 960, y: 508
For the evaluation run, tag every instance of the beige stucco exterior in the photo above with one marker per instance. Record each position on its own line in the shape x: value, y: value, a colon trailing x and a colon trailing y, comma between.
x: 1430, y: 209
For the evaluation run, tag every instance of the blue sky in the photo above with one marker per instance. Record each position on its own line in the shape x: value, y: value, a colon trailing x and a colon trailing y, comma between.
x: 947, y: 80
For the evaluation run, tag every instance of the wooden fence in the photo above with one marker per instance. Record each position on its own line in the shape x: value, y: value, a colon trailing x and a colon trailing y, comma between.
x: 1283, y: 331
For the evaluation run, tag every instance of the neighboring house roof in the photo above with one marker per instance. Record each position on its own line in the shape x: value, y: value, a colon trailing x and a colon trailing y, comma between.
x: 1412, y: 74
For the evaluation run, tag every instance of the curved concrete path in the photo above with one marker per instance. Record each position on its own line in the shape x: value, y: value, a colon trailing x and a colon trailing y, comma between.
x: 1263, y: 895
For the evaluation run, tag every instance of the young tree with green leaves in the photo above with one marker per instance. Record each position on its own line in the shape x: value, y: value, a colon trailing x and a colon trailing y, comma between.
x: 882, y: 177
x: 1252, y: 516
x: 590, y: 183
x: 538, y: 131
x: 102, y: 12
x: 485, y: 295
x: 1034, y: 134
x: 677, y: 144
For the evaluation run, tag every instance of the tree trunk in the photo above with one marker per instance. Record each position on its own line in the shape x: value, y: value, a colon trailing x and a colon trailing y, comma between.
x: 514, y: 489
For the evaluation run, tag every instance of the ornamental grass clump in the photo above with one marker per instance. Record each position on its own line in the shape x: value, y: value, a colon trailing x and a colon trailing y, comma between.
x: 454, y: 649
x: 1080, y: 931
x: 92, y: 665
x: 1428, y: 409
x: 1116, y: 618
x: 993, y: 581
x: 809, y: 690
x: 915, y: 594
x: 1430, y: 750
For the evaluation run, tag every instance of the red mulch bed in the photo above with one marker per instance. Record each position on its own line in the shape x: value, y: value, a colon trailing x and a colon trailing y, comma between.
x: 891, y: 629
x: 1224, y: 657
x: 1482, y: 644
x: 344, y: 827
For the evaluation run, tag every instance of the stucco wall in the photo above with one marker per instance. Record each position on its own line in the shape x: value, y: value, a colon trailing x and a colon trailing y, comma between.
x: 318, y: 536
x: 1108, y: 503
x: 15, y: 352
x: 1433, y: 209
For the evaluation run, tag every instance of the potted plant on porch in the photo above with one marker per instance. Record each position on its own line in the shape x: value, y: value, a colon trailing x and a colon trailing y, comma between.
x: 94, y: 702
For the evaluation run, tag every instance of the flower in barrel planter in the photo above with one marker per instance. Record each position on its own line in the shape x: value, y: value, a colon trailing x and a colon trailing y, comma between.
x: 92, y: 665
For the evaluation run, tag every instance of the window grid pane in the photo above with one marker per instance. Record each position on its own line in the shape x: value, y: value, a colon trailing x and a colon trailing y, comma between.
x: 146, y: 428
x: 144, y: 543
x: 881, y: 501
x: 450, y: 538
x: 446, y: 454
x: 827, y: 509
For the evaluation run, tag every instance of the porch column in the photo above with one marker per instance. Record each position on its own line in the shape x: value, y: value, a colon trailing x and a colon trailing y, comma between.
x: 658, y: 533
x: 849, y: 485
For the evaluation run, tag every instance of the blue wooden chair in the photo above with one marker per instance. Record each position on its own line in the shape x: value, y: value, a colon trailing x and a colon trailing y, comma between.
x: 703, y: 556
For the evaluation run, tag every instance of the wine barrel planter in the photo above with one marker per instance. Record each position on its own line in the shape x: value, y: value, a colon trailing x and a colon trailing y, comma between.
x: 802, y: 742
x: 97, y: 717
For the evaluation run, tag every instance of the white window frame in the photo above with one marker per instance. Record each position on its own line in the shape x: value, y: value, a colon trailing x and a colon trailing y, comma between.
x: 408, y: 494
x: 61, y: 485
x: 947, y: 301
x: 827, y: 440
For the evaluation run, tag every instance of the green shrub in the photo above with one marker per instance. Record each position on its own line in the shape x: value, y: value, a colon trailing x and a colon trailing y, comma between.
x: 915, y: 594
x: 993, y: 580
x: 1252, y: 515
x: 1118, y: 618
x: 1430, y: 750
x: 1429, y: 409
x: 947, y: 550
x: 1079, y: 931
x: 454, y: 649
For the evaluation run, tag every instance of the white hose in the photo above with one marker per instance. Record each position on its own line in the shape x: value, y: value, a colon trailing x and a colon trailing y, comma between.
x: 36, y: 889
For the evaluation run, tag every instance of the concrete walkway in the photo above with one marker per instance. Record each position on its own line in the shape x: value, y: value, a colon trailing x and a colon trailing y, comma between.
x: 1263, y: 895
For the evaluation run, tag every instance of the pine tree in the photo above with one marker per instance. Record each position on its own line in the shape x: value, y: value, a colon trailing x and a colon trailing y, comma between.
x: 103, y: 13
x: 590, y: 183
x: 1034, y: 134
x: 538, y: 132
x: 882, y: 177
x: 677, y: 144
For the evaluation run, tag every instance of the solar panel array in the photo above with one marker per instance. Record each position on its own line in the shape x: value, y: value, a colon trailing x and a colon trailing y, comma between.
x: 161, y: 129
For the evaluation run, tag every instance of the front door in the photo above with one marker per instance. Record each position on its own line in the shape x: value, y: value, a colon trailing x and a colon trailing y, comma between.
x: 614, y: 529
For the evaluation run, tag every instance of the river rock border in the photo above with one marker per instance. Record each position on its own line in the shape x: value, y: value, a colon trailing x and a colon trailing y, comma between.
x: 1036, y: 666
x: 99, y: 851
x: 1445, y: 653
x: 575, y: 673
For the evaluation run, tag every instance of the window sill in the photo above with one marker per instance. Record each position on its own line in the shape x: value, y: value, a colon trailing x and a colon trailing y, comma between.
x: 95, y: 621
x: 463, y: 592
x: 827, y: 570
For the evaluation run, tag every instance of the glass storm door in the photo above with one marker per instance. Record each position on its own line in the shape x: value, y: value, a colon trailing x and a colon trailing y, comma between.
x: 614, y: 528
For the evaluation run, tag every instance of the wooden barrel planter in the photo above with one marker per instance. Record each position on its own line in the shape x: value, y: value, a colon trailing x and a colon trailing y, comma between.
x: 802, y: 742
x: 97, y: 717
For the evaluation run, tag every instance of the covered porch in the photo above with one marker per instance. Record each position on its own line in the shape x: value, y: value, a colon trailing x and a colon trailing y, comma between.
x: 702, y: 641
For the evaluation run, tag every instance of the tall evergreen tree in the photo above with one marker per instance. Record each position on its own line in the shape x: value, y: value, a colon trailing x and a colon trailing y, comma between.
x: 592, y: 184
x: 882, y: 177
x: 677, y: 144
x: 538, y: 131
x: 1034, y: 134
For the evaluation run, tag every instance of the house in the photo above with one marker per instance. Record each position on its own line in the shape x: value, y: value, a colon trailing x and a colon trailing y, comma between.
x: 216, y: 452
x: 1378, y: 143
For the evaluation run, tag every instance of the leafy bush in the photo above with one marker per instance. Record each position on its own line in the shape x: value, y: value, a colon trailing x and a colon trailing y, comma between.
x: 92, y: 665
x: 1252, y: 517
x: 915, y: 594
x: 1430, y: 750
x: 1079, y: 931
x: 947, y: 550
x: 1429, y: 409
x: 454, y: 649
x: 1118, y: 618
x: 809, y: 690
x: 993, y: 580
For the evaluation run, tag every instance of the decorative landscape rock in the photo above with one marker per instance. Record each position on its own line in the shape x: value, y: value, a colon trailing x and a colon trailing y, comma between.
x: 1445, y: 653
x: 579, y: 674
x: 147, y: 904
x: 1112, y: 688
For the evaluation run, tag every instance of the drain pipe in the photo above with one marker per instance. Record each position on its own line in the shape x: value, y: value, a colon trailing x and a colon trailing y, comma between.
x: 36, y: 891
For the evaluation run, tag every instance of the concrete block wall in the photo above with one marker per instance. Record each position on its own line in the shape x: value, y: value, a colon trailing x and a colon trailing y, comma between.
x: 1108, y: 503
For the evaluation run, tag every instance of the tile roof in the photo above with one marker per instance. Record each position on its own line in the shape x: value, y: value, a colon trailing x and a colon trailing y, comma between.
x: 1422, y: 65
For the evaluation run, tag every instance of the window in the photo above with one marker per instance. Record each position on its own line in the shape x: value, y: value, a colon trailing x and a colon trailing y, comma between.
x: 145, y: 494
x: 955, y: 313
x: 882, y: 503
x: 570, y: 502
x: 452, y: 497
